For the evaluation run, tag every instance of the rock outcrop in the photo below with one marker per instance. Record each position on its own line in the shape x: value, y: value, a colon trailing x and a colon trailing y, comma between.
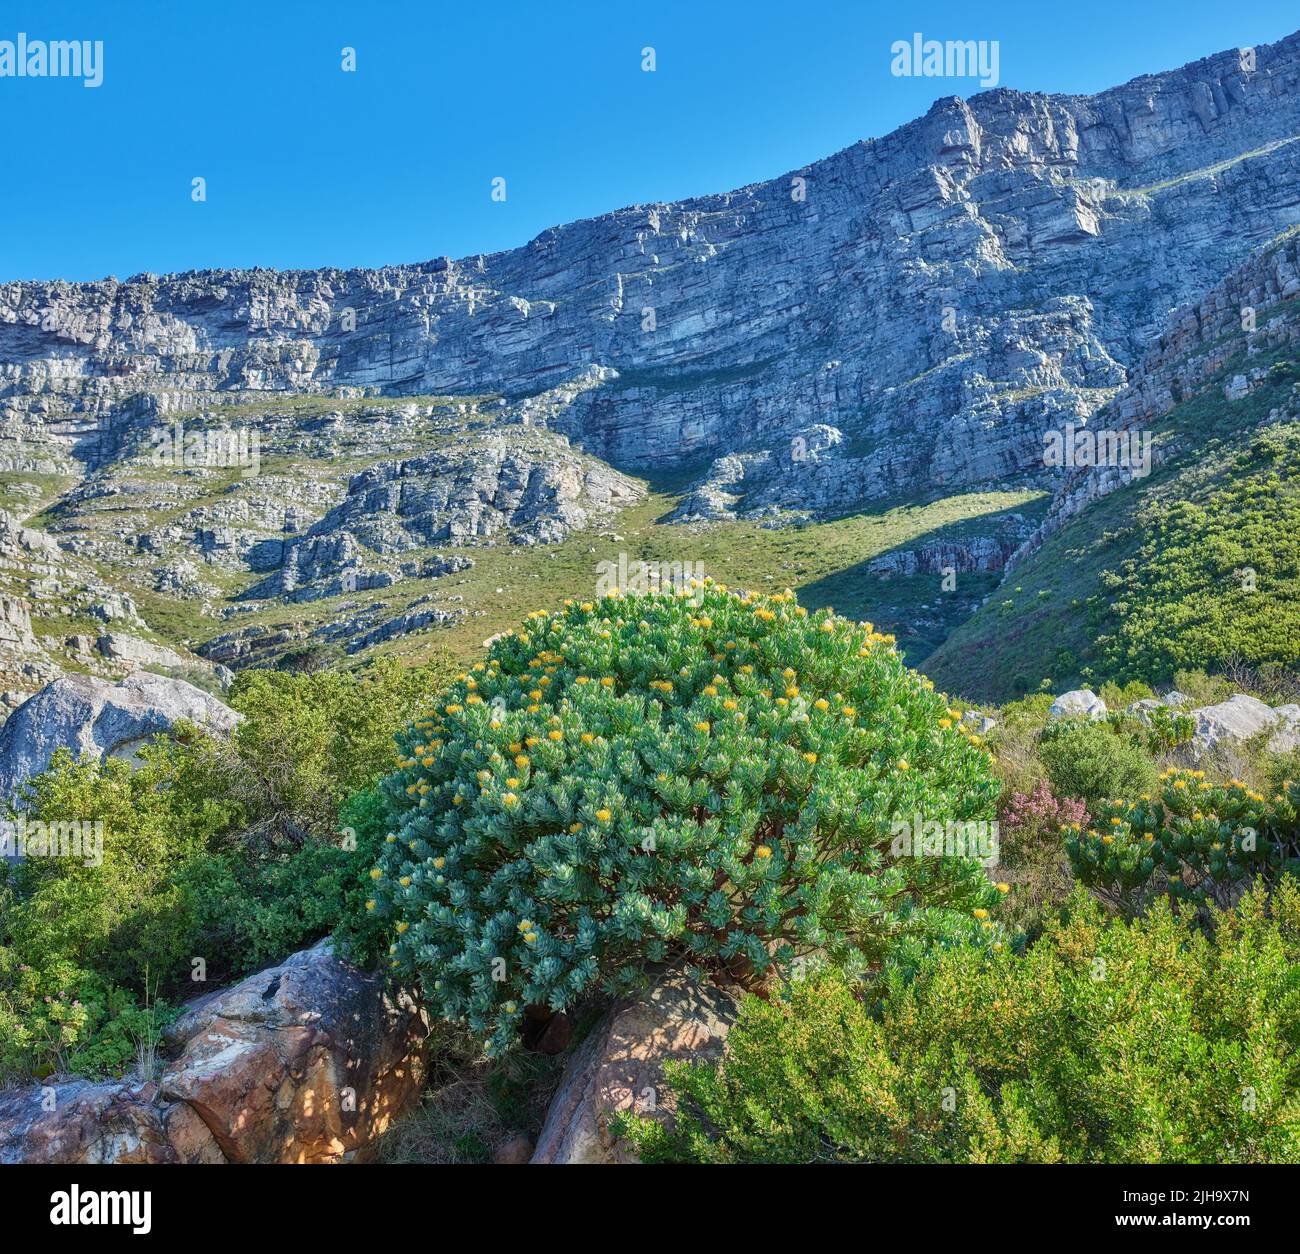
x: 936, y: 296
x: 88, y: 715
x: 619, y: 1066
x: 305, y: 1062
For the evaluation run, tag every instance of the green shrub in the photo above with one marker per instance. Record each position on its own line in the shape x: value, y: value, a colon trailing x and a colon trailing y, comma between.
x: 230, y: 851
x: 1196, y: 840
x: 1215, y: 575
x: 1094, y: 760
x: 61, y: 1017
x: 1107, y: 1041
x: 130, y: 914
x: 308, y: 741
x: 643, y: 779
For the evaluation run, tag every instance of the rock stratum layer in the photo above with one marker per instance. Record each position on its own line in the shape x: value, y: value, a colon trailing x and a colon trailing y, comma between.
x: 932, y: 294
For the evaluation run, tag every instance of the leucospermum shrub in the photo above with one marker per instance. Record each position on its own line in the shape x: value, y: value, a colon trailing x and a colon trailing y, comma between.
x: 1196, y: 840
x: 711, y: 778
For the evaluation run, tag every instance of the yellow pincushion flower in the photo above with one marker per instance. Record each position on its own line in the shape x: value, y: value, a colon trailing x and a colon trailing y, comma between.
x: 405, y: 881
x: 702, y: 726
x: 555, y: 735
x: 980, y: 913
x: 376, y: 873
x: 821, y: 704
x: 762, y: 852
x: 903, y: 765
x: 401, y: 927
x: 370, y: 905
x: 604, y: 815
x: 810, y: 758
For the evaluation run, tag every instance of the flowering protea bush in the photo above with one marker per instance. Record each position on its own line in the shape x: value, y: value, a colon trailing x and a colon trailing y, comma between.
x: 713, y: 780
x: 1195, y: 840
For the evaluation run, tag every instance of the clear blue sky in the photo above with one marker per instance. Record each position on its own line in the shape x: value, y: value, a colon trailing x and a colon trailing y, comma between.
x: 307, y: 165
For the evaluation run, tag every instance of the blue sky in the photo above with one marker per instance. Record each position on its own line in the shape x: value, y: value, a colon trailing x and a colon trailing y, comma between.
x: 307, y: 165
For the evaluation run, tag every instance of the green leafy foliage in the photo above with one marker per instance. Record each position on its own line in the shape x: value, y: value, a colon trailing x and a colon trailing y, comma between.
x: 710, y: 778
x: 230, y: 851
x: 1107, y: 1041
x: 1094, y: 760
x: 1215, y: 577
x: 1195, y: 840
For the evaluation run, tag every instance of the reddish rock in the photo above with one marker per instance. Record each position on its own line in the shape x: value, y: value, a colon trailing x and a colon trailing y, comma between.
x: 518, y: 1149
x: 620, y: 1065
x: 305, y: 1062
x: 81, y: 1122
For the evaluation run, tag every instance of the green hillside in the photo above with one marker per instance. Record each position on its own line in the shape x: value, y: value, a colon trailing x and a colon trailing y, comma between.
x: 1197, y: 564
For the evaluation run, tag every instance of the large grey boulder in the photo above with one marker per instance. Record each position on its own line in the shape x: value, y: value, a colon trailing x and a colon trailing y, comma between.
x: 1080, y: 703
x: 1238, y: 719
x: 88, y: 715
x: 1287, y: 736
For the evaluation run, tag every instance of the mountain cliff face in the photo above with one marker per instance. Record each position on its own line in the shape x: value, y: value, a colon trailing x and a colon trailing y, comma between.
x: 903, y: 319
x: 1059, y: 231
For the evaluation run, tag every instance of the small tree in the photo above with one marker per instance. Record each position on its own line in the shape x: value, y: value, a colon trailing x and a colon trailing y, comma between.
x: 713, y: 778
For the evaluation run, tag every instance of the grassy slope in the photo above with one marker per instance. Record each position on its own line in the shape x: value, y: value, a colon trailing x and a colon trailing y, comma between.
x: 824, y: 561
x: 1052, y: 617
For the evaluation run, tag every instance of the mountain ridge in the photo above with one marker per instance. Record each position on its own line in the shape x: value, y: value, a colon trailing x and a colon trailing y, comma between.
x: 901, y: 328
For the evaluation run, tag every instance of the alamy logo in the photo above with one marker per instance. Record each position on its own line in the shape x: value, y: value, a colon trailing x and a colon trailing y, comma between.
x: 918, y: 837
x: 54, y: 58
x: 237, y: 448
x: 133, y: 1208
x: 65, y: 838
x: 650, y: 578
x: 950, y: 58
x: 1079, y: 446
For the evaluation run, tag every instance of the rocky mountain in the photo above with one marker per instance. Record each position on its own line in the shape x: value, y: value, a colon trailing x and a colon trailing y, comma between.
x: 372, y: 450
x: 1193, y: 563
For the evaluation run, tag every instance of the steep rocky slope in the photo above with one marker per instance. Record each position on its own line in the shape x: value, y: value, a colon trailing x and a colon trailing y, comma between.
x: 1194, y: 564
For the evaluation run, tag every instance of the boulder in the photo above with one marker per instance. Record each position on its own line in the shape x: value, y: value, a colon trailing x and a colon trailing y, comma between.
x: 89, y: 715
x: 81, y: 1122
x: 1143, y: 710
x: 1238, y: 719
x: 619, y: 1066
x: 1081, y: 702
x: 1287, y: 736
x: 117, y: 646
x: 305, y: 1062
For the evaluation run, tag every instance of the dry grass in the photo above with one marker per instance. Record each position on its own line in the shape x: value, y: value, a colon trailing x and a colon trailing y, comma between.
x: 473, y: 1105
